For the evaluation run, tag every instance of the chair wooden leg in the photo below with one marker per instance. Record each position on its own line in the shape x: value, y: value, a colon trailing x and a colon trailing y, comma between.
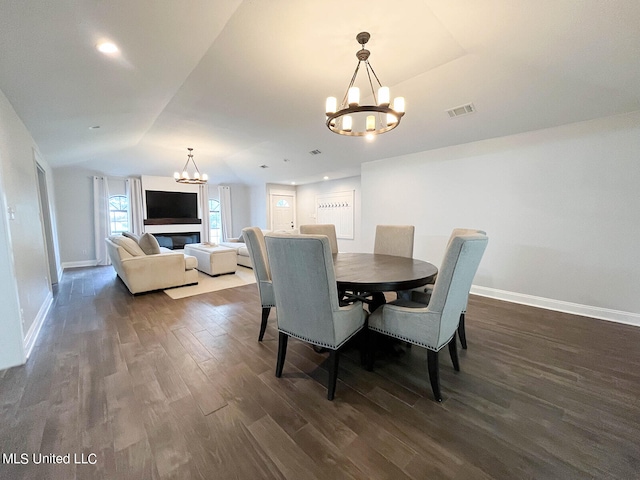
x: 333, y: 374
x: 461, y: 332
x: 453, y: 351
x: 283, y: 338
x: 263, y: 325
x: 434, y: 374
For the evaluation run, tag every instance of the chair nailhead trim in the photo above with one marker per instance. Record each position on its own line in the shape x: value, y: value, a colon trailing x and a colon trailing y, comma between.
x: 320, y: 344
x: 400, y: 337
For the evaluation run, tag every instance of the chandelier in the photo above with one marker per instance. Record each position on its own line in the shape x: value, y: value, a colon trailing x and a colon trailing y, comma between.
x: 185, y: 178
x: 364, y: 120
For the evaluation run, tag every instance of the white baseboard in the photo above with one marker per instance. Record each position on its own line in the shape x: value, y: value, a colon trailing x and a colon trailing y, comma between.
x: 34, y: 330
x: 82, y: 263
x: 618, y: 316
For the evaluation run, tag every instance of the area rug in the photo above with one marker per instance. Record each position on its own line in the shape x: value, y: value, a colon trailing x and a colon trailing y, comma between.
x: 206, y: 283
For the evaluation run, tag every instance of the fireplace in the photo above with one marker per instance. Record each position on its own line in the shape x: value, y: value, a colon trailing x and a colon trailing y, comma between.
x: 177, y: 241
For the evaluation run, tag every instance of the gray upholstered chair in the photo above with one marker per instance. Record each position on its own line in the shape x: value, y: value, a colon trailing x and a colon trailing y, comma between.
x: 306, y: 292
x: 328, y: 229
x: 254, y: 240
x: 394, y: 240
x: 423, y: 294
x: 433, y: 326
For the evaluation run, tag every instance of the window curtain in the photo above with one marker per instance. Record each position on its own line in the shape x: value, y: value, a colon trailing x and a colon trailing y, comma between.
x: 225, y: 211
x: 136, y: 215
x: 101, y: 223
x: 203, y: 191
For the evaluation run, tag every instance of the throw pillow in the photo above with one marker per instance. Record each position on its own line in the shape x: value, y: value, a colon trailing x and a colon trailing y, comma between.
x: 132, y: 236
x: 149, y: 244
x: 130, y: 246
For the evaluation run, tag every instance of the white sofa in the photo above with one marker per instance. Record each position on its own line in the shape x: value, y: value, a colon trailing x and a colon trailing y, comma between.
x: 142, y: 272
x: 242, y: 253
x: 241, y: 248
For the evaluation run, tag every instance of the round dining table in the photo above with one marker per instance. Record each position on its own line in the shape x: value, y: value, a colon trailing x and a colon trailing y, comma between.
x: 370, y: 274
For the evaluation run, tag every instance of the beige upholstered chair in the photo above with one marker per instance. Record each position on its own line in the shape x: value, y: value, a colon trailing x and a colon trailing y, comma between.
x: 394, y: 240
x: 423, y: 294
x: 328, y: 229
x: 306, y: 293
x: 434, y: 325
x: 254, y: 240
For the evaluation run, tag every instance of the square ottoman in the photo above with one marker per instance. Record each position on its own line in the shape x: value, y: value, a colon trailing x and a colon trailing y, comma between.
x: 213, y: 260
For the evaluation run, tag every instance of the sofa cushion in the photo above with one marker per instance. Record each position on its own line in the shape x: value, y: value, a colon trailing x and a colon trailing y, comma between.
x: 149, y: 244
x: 132, y: 236
x: 129, y: 245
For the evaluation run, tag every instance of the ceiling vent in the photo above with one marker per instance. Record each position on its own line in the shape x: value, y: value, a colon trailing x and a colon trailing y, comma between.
x: 315, y: 152
x: 461, y: 110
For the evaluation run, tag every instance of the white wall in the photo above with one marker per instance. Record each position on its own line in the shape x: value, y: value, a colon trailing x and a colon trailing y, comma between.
x: 560, y: 206
x: 306, y: 207
x: 258, y: 206
x: 74, y: 209
x: 240, y: 208
x: 23, y: 258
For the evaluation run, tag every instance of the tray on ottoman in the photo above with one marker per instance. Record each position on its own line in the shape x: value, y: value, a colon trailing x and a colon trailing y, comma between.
x: 213, y: 260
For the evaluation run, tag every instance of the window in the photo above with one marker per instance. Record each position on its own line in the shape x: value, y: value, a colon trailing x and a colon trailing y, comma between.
x: 282, y: 203
x: 119, y: 213
x: 214, y: 220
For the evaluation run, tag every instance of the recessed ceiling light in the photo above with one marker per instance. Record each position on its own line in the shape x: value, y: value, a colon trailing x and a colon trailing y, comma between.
x: 293, y: 183
x: 107, y: 47
x: 325, y: 177
x: 94, y: 127
x: 285, y: 159
x: 264, y: 166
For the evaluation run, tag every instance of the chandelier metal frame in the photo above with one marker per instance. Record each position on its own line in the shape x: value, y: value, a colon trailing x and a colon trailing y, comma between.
x: 386, y: 117
x: 197, y: 179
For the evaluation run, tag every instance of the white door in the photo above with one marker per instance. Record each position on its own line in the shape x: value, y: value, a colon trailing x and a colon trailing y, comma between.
x: 282, y: 212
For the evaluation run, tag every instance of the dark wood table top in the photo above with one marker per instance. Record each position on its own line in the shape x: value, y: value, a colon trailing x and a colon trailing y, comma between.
x: 370, y: 272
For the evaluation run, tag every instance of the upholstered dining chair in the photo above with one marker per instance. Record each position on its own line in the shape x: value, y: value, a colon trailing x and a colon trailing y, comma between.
x: 394, y: 240
x: 423, y: 294
x: 306, y: 293
x: 328, y: 229
x: 434, y: 325
x: 254, y: 240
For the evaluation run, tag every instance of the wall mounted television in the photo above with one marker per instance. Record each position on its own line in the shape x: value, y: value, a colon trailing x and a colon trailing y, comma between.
x: 172, y: 205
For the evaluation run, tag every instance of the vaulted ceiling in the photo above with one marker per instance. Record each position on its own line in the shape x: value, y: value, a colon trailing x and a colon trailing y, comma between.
x: 244, y: 82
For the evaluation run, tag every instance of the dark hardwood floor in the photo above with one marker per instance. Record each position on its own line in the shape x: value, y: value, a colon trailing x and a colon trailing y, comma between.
x: 162, y: 388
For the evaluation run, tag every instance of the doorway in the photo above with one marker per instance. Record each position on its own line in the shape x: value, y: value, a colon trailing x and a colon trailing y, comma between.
x: 282, y: 207
x: 45, y: 217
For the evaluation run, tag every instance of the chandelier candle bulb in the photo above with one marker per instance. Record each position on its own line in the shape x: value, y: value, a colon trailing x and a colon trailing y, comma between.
x: 354, y: 96
x: 371, y: 123
x: 176, y: 175
x: 331, y: 105
x: 398, y: 104
x: 347, y: 123
x: 205, y: 177
x: 384, y: 96
x: 185, y: 174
